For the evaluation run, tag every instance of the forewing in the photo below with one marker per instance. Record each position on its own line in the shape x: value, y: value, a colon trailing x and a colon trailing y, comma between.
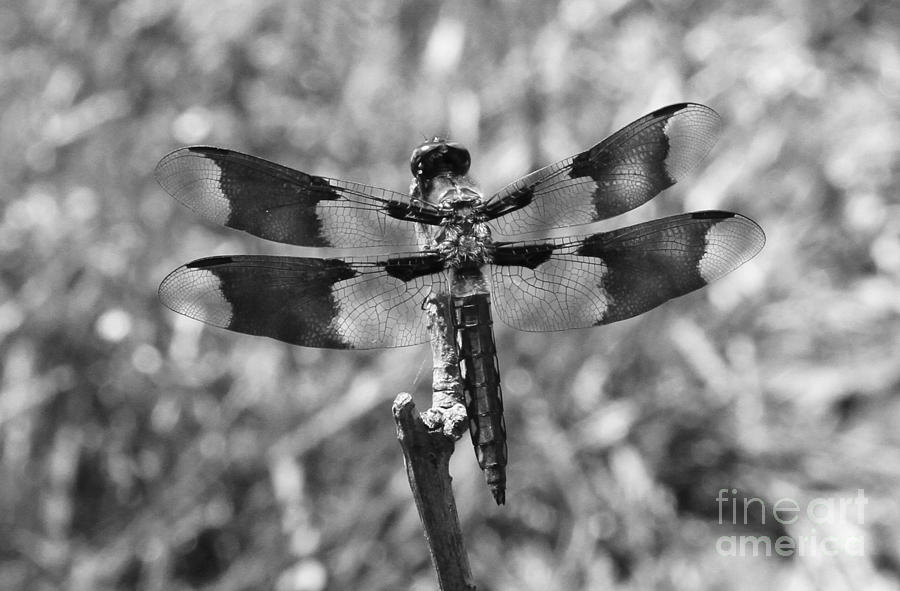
x: 611, y: 276
x: 620, y: 173
x: 360, y: 303
x: 285, y: 205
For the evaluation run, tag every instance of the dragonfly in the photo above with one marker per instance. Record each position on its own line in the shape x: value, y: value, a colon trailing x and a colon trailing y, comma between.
x: 446, y: 239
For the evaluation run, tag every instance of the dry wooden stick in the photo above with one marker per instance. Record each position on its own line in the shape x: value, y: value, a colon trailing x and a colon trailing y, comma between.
x: 427, y: 442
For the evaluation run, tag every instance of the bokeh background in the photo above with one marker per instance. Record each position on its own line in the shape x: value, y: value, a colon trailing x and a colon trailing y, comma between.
x: 141, y: 450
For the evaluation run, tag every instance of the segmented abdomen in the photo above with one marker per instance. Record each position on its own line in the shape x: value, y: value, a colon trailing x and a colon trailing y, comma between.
x: 484, y: 402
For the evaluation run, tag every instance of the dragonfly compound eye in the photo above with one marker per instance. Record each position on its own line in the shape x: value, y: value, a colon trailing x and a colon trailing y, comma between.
x: 439, y: 156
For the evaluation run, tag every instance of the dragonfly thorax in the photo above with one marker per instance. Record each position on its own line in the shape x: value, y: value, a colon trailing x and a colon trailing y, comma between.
x: 464, y: 237
x: 464, y: 242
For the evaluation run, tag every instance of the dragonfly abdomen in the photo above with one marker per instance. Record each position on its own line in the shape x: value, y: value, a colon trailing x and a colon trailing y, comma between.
x: 484, y: 401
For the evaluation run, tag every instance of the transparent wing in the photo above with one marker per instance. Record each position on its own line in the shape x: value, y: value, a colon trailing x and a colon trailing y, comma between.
x: 285, y: 205
x: 611, y: 276
x: 339, y: 304
x: 620, y: 173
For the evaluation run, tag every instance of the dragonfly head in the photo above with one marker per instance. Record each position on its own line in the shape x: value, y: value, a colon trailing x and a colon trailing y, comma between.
x: 438, y: 156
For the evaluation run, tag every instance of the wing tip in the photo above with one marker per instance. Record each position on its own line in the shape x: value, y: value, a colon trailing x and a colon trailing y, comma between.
x: 690, y: 135
x: 742, y: 243
x: 675, y: 108
x: 168, y: 292
x: 193, y: 290
x: 160, y: 172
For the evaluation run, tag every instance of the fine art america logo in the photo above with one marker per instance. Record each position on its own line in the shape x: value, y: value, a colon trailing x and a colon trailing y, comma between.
x: 823, y: 526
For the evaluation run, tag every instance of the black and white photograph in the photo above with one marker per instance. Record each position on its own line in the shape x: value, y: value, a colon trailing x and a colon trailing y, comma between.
x: 324, y: 295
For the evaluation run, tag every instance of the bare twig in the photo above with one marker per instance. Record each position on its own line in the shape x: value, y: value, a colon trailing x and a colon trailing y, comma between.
x: 427, y: 443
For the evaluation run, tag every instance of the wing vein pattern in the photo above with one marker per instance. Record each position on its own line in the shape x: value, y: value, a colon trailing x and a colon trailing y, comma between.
x: 610, y: 276
x: 617, y: 175
x: 359, y: 303
x: 285, y: 205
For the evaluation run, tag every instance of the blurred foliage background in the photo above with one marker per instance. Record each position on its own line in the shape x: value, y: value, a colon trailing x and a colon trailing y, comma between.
x: 140, y: 450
